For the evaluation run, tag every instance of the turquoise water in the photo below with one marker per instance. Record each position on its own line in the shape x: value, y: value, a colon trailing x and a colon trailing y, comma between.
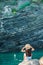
x: 16, y: 58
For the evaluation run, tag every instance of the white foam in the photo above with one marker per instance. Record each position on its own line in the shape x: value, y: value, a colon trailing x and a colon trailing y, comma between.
x: 14, y: 55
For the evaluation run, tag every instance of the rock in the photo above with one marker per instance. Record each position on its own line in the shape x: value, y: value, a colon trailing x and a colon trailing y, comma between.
x: 41, y: 61
x: 30, y: 62
x: 7, y: 12
x: 27, y: 46
x: 36, y: 1
x: 25, y: 27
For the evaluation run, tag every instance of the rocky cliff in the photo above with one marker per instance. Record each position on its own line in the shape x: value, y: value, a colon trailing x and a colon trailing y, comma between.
x: 25, y: 27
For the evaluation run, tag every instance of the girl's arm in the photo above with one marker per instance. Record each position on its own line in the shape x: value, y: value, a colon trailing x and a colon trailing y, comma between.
x: 24, y: 56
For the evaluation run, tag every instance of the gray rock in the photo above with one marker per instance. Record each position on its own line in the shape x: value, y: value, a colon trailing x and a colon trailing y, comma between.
x: 30, y: 62
x: 25, y: 27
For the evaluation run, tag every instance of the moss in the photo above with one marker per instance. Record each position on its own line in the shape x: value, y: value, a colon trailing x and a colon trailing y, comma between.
x: 24, y: 5
x: 14, y: 11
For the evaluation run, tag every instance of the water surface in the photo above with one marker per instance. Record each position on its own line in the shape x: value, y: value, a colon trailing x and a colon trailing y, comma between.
x: 16, y: 58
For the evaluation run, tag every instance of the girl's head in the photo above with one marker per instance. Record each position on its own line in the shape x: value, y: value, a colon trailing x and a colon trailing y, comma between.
x: 29, y: 50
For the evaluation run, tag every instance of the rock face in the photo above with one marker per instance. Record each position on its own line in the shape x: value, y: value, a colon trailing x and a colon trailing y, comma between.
x: 36, y: 1
x: 25, y: 27
x: 31, y: 62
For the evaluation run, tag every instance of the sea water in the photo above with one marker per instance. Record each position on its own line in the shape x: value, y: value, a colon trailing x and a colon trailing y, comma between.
x: 17, y: 57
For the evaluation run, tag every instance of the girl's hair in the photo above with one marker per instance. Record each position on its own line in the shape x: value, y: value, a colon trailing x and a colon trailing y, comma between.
x: 28, y: 52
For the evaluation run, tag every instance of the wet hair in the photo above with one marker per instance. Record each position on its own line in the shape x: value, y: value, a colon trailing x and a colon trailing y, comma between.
x: 28, y: 52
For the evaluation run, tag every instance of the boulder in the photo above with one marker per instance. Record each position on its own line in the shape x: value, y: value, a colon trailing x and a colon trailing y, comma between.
x: 41, y: 61
x: 30, y: 62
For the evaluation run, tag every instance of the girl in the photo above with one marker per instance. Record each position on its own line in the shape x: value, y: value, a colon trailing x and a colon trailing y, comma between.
x: 28, y: 54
